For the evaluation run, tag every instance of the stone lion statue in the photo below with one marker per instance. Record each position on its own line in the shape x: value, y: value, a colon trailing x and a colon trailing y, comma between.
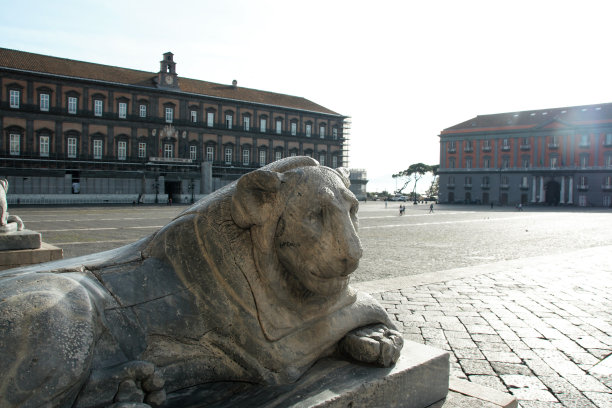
x: 5, y: 218
x: 249, y: 284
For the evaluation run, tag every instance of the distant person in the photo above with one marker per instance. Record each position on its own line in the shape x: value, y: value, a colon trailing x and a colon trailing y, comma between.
x: 431, y: 208
x: 520, y: 207
x: 491, y: 204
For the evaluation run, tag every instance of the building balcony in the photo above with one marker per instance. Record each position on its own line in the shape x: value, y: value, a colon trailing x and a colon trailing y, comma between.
x: 504, y: 186
x: 505, y: 148
x: 523, y: 187
x: 584, y: 145
x: 468, y: 150
x: 486, y: 148
x: 606, y: 187
x: 582, y: 187
x: 450, y: 186
x: 467, y: 186
x: 485, y: 186
x: 553, y: 145
x: 452, y: 150
x: 525, y: 147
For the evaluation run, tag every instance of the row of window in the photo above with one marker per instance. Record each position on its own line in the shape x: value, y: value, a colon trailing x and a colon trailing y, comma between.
x: 526, y: 162
x: 583, y: 182
x: 486, y: 145
x: 122, y: 109
x: 168, y: 150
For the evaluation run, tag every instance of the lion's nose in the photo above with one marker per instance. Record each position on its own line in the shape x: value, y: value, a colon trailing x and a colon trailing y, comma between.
x: 354, y: 253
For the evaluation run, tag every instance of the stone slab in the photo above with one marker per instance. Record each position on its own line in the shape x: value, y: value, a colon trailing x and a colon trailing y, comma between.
x: 23, y: 257
x: 419, y: 378
x: 24, y: 239
x: 489, y: 395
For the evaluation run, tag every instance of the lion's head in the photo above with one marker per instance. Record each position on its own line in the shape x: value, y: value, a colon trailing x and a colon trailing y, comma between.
x: 303, y: 224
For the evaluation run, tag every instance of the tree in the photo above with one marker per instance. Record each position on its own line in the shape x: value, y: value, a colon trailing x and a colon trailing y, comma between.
x: 405, y: 178
x: 435, y: 185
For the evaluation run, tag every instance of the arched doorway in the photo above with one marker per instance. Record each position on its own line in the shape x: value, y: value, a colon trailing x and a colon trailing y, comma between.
x: 553, y: 192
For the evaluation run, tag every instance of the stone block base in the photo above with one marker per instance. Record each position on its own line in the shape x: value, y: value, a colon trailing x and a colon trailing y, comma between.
x: 24, y: 257
x: 418, y: 379
x: 25, y: 239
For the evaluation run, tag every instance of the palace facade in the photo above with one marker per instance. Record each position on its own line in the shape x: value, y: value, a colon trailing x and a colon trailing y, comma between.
x: 558, y: 156
x: 77, y: 127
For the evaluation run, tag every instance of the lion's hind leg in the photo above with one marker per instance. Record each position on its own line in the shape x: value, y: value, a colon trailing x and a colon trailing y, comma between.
x: 47, y: 333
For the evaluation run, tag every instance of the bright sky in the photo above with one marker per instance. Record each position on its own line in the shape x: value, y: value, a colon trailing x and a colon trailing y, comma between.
x: 403, y: 70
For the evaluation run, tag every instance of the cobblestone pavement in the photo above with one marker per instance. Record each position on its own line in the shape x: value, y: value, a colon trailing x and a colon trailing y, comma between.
x: 535, y: 327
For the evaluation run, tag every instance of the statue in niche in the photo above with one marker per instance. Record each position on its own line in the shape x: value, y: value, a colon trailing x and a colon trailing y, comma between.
x: 5, y: 218
x: 250, y: 284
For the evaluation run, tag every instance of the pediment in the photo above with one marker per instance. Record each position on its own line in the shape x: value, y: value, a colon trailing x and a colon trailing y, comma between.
x: 554, y: 123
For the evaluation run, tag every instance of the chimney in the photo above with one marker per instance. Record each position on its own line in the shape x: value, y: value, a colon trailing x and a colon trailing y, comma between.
x: 234, y: 83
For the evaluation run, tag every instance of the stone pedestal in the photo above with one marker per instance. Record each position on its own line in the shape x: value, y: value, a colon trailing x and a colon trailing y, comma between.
x: 13, y: 239
x: 23, y: 257
x: 419, y: 379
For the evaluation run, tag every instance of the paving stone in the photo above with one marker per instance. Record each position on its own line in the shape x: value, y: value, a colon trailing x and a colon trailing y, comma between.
x: 501, y: 356
x: 480, y: 329
x: 600, y: 399
x: 576, y: 401
x: 457, y: 334
x: 501, y: 347
x: 461, y: 343
x: 532, y: 395
x: 539, y: 367
x: 472, y: 367
x: 510, y: 368
x: 490, y: 381
x: 469, y: 353
x: 540, y: 404
x: 586, y: 382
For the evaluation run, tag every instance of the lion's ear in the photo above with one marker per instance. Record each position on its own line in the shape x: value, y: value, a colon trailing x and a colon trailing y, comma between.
x: 344, y: 175
x: 255, y: 198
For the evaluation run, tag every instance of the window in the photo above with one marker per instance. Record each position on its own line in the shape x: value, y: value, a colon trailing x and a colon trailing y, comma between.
x: 228, y: 121
x: 485, y: 181
x: 262, y: 157
x: 451, y: 163
x: 293, y: 128
x: 98, y: 106
x: 97, y: 149
x: 122, y: 110
x: 526, y: 163
x: 553, y: 162
x: 504, y: 180
x: 607, y: 201
x: 142, y: 150
x: 335, y: 133
x: 14, y: 144
x: 608, y: 161
x: 193, y: 152
x: 279, y: 126
x: 278, y: 155
x: 262, y: 125
x: 72, y: 104
x: 554, y: 142
x: 468, y: 163
x: 322, y: 131
x: 584, y: 141
x: 44, y: 146
x: 228, y: 155
x: 486, y: 163
x: 210, y: 119
x: 506, y: 144
x: 169, y: 115
x: 246, y: 122
x: 524, y: 182
x: 121, y: 150
x: 583, y: 182
x: 607, y: 182
x: 334, y: 161
x: 451, y: 147
x: 14, y: 98
x: 308, y: 130
x: 451, y: 180
x: 322, y: 159
x: 468, y: 181
x: 194, y: 116
x: 608, y: 141
x: 292, y: 154
x: 246, y: 156
x: 505, y: 162
x: 468, y: 146
x: 168, y: 150
x: 584, y: 161
x: 486, y: 145
x: 143, y: 111
x: 210, y: 153
x: 71, y: 144
x: 44, y: 102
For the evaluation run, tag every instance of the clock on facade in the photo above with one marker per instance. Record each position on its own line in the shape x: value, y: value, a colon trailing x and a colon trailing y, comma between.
x: 169, y: 80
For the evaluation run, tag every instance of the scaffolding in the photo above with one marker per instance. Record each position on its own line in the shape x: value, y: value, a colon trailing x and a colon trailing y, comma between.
x: 346, y: 136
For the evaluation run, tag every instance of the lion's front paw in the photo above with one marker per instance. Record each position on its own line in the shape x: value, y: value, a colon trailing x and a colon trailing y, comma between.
x: 133, y: 384
x: 375, y: 344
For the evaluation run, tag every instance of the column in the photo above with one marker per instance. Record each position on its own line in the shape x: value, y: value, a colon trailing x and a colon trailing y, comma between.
x: 562, y: 200
x: 534, y: 189
x: 570, y: 188
x: 541, y: 189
